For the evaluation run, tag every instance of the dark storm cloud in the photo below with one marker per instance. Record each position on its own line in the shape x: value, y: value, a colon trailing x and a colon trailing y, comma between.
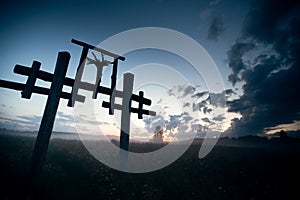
x: 178, y: 121
x: 215, y: 99
x: 215, y: 29
x: 271, y: 83
x: 219, y: 118
x: 170, y: 123
x: 229, y: 92
x: 235, y: 59
x: 200, y: 94
x: 218, y: 99
x: 199, y: 106
x: 188, y: 90
x: 206, y: 110
x: 206, y: 120
x: 153, y: 122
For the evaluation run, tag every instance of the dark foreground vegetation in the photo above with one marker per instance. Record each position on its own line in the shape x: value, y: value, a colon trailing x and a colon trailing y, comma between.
x: 248, y: 168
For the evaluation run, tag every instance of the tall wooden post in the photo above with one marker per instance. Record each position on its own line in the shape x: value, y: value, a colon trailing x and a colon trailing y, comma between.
x: 126, y: 105
x: 125, y: 120
x: 79, y: 73
x: 140, y: 109
x: 47, y: 122
x: 113, y: 86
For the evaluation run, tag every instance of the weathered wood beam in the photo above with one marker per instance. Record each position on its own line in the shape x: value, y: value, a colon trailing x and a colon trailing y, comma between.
x: 48, y: 77
x: 113, y: 86
x: 133, y: 110
x: 35, y: 89
x: 83, y: 44
x: 46, y: 126
x: 140, y: 110
x: 26, y: 93
x: 125, y: 115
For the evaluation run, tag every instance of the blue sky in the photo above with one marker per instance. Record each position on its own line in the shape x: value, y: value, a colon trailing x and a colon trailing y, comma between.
x: 38, y: 30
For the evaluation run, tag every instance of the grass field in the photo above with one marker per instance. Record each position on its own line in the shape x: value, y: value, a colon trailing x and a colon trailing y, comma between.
x: 249, y: 168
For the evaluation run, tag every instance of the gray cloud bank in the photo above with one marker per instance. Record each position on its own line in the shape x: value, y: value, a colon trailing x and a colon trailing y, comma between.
x: 270, y: 38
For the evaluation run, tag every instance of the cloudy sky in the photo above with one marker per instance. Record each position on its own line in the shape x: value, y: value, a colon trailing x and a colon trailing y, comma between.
x: 253, y: 43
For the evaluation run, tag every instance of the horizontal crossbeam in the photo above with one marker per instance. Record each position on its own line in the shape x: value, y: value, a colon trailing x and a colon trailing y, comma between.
x: 35, y: 89
x: 133, y: 110
x: 48, y: 77
x: 83, y: 44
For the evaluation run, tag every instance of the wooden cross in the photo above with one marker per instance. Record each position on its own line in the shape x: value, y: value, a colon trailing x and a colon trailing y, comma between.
x: 78, y: 83
x: 126, y: 108
x: 54, y: 95
x: 126, y: 96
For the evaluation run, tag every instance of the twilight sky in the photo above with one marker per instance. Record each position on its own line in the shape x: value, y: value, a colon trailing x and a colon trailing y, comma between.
x: 253, y: 43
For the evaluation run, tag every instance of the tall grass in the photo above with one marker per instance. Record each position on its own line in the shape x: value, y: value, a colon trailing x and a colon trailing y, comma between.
x: 235, y: 169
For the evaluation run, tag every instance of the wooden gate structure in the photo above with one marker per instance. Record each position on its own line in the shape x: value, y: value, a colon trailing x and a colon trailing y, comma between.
x: 58, y: 79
